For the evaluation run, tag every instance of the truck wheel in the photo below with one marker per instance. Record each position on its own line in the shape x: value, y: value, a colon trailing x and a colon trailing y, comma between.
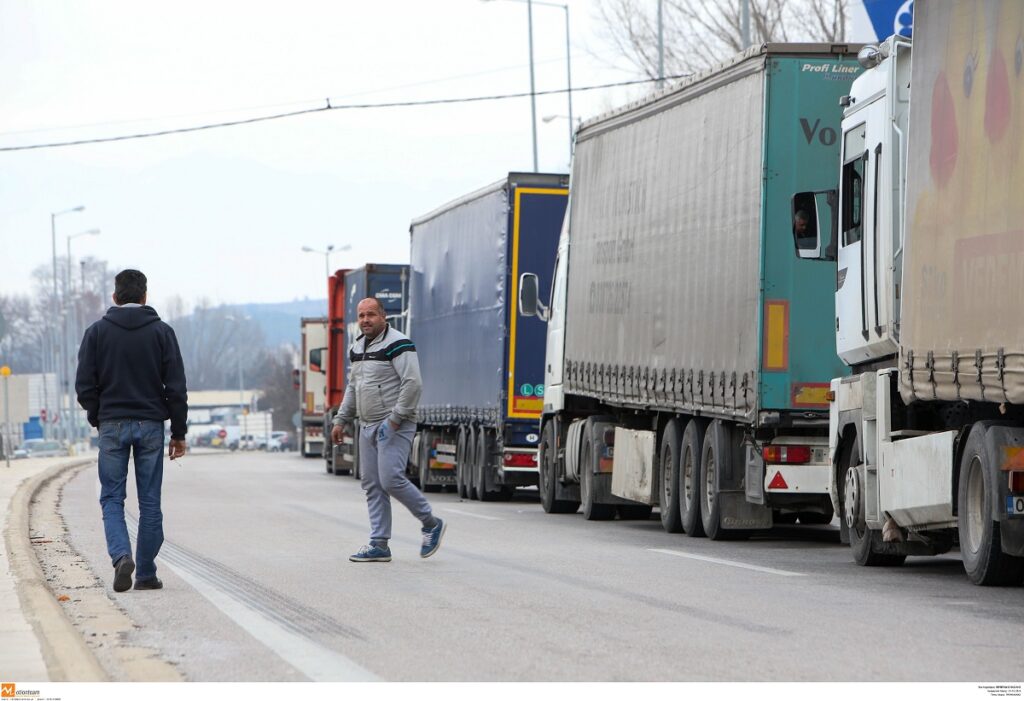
x: 980, y: 538
x: 461, y: 464
x: 668, y: 464
x: 863, y: 540
x: 547, y: 482
x: 780, y: 518
x: 484, y: 457
x: 471, y: 440
x: 588, y: 463
x: 712, y: 460
x: 690, y: 451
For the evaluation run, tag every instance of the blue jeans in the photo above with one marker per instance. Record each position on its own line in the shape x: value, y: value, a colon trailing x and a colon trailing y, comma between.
x: 144, y: 439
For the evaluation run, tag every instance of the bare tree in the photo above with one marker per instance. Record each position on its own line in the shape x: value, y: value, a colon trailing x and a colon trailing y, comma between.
x: 699, y: 34
x: 215, y: 342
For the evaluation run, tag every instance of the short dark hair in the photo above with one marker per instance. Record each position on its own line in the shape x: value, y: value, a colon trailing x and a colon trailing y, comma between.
x: 129, y: 287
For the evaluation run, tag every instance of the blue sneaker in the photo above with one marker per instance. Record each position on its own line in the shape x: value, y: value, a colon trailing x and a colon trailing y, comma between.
x: 371, y: 553
x: 432, y: 538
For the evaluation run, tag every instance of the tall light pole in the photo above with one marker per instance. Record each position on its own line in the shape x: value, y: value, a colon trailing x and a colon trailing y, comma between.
x: 71, y: 323
x: 568, y: 69
x: 59, y: 364
x: 327, y: 255
x: 533, y: 87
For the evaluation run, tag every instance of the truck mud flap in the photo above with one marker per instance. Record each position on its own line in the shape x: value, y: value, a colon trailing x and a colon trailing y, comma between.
x: 740, y: 515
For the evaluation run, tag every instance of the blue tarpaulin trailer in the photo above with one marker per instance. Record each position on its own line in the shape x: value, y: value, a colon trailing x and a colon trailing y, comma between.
x: 482, y: 363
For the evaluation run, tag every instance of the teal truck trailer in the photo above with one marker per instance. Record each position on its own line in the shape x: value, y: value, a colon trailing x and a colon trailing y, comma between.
x: 689, y: 347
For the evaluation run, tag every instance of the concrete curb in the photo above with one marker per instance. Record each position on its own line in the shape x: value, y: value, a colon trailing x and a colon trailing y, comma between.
x: 66, y: 654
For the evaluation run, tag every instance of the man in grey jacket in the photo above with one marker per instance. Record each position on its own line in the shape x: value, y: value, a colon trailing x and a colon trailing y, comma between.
x: 383, y: 389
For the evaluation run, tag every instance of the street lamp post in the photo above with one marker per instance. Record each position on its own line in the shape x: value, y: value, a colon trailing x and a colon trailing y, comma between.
x: 533, y: 87
x: 71, y: 322
x: 327, y: 255
x: 568, y: 71
x: 59, y: 364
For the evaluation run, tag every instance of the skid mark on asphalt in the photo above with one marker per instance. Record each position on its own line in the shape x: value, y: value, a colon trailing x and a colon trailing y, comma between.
x: 282, y: 624
x: 728, y: 563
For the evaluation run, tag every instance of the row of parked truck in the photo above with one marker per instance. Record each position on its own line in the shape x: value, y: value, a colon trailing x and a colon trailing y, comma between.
x: 704, y: 322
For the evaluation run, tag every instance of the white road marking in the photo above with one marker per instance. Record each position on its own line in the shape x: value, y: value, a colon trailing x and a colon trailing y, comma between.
x: 472, y: 515
x: 315, y: 661
x: 729, y: 563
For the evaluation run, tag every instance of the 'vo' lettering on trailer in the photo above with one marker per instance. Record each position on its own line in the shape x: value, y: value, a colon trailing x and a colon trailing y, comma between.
x: 826, y: 136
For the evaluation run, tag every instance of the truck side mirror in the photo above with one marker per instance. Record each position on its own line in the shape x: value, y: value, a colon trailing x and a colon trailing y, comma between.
x: 316, y: 360
x: 529, y: 294
x: 814, y: 224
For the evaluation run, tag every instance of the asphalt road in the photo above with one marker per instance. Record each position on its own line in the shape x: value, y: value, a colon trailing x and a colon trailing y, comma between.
x: 258, y: 588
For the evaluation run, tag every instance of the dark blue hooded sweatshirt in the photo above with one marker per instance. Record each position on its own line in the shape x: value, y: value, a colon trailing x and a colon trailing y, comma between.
x: 129, y: 367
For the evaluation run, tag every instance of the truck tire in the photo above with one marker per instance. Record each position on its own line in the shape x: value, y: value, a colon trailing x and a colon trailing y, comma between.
x: 668, y: 464
x: 592, y: 511
x: 690, y: 451
x: 863, y: 541
x: 547, y: 480
x: 713, y: 458
x: 980, y: 540
x: 484, y: 458
x: 462, y: 463
x: 471, y: 437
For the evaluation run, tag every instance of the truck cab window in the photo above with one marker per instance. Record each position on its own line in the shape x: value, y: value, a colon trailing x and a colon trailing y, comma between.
x: 853, y: 184
x: 853, y: 200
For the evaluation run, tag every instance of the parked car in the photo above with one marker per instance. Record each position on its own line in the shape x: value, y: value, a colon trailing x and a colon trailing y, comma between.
x: 42, y: 448
x: 280, y: 441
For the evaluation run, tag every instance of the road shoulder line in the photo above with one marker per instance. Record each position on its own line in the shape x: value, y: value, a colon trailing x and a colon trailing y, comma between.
x: 728, y: 563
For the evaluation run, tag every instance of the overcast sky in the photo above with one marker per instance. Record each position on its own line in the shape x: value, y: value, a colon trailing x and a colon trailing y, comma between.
x: 223, y: 214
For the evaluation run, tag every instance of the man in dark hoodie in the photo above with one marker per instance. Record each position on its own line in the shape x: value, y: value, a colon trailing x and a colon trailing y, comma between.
x: 130, y: 380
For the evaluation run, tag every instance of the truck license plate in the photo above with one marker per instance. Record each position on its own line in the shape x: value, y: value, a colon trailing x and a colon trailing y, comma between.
x: 1015, y: 505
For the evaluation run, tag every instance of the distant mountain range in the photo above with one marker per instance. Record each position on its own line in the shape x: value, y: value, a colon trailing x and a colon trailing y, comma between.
x: 280, y: 320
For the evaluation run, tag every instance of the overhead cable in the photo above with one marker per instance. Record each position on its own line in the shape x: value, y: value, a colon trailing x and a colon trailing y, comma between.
x: 327, y: 107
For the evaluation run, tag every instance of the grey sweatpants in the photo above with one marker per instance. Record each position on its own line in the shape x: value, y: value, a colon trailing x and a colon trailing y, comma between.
x: 383, y: 453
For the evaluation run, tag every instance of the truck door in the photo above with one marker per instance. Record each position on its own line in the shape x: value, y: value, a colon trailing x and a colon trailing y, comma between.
x: 864, y: 274
x: 850, y: 311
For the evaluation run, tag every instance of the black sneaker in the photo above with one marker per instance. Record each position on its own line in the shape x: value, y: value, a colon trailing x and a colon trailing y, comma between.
x: 153, y: 583
x: 123, y: 569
